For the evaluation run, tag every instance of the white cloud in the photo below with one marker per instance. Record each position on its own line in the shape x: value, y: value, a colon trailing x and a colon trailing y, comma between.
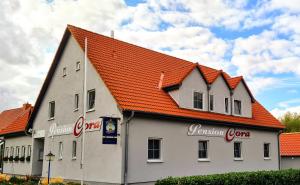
x: 279, y: 112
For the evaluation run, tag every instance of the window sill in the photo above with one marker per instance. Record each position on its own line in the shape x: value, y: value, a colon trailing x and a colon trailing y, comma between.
x: 154, y: 161
x: 204, y: 160
x: 90, y: 110
x: 60, y: 159
x: 73, y: 158
x: 238, y: 159
x: 50, y: 119
x: 75, y: 110
x: 267, y: 158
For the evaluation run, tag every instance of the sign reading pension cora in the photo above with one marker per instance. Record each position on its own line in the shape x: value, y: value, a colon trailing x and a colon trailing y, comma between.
x: 228, y: 134
x: 76, y: 129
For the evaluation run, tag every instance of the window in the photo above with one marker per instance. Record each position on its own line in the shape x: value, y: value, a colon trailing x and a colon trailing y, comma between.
x: 91, y: 99
x: 211, y: 102
x: 237, y: 150
x: 6, y: 154
x: 237, y: 107
x: 154, y: 149
x: 29, y: 150
x: 226, y: 105
x: 202, y: 153
x: 41, y: 154
x: 198, y: 100
x: 77, y: 65
x: 74, y: 148
x: 11, y: 151
x: 76, y: 102
x: 64, y: 71
x: 266, y: 150
x: 17, y: 151
x: 23, y: 151
x: 51, y: 109
x: 60, y: 150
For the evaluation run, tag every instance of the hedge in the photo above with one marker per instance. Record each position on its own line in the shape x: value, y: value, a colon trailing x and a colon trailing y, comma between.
x: 282, y: 177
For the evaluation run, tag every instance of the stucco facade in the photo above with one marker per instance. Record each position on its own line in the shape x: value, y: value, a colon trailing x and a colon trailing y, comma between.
x: 180, y: 152
x: 288, y: 162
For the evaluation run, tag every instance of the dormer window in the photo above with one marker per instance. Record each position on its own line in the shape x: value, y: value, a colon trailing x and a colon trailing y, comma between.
x: 237, y: 107
x: 198, y: 100
x: 226, y: 105
x: 211, y: 102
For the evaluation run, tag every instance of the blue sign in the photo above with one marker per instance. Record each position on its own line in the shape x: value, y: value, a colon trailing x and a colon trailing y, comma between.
x: 110, y: 130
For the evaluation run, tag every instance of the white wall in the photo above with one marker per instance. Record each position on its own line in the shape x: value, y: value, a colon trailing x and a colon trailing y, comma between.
x: 17, y: 167
x: 103, y: 163
x: 290, y: 162
x: 220, y: 91
x: 180, y: 151
x: 240, y: 93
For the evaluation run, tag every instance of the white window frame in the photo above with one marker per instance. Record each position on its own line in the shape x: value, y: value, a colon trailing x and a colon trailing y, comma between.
x: 29, y: 150
x: 60, y: 150
x: 76, y: 102
x: 50, y: 117
x: 12, y: 153
x: 160, y: 159
x: 74, y: 149
x: 213, y: 102
x: 269, y: 145
x: 193, y: 98
x: 226, y: 107
x: 23, y: 151
x: 17, y: 151
x: 88, y: 100
x: 77, y: 66
x: 64, y: 73
x: 234, y: 107
x: 207, y: 159
x: 241, y: 151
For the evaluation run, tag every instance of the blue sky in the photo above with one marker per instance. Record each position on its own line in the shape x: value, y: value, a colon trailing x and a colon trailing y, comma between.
x: 257, y: 39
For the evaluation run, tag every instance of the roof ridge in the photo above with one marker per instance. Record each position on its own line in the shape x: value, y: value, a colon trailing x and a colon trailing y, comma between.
x: 291, y: 133
x: 135, y: 45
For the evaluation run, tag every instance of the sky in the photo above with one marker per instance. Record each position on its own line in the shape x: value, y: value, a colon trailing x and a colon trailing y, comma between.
x: 259, y: 40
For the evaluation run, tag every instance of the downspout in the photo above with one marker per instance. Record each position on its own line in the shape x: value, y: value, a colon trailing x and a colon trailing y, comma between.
x: 278, y: 144
x: 126, y: 147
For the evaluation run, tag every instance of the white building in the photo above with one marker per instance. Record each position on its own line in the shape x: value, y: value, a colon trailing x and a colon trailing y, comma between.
x: 149, y: 116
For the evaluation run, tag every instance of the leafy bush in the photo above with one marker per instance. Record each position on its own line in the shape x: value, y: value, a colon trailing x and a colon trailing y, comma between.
x: 282, y: 177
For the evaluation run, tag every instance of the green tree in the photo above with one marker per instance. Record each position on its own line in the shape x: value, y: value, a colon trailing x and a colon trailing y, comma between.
x: 291, y: 121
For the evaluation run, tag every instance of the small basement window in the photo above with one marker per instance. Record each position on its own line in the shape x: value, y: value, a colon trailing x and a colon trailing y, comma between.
x: 237, y: 107
x: 60, y: 150
x: 74, y: 150
x: 198, y: 100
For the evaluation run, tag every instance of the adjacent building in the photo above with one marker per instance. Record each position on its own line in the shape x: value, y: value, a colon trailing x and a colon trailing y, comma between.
x: 149, y: 116
x: 16, y: 144
x: 290, y: 150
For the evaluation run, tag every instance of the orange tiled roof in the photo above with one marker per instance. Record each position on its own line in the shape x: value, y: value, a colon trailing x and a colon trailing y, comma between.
x: 290, y: 144
x: 132, y: 74
x: 15, y: 120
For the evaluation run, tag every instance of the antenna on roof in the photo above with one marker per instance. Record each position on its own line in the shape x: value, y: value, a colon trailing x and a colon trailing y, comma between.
x: 112, y: 34
x: 161, y: 80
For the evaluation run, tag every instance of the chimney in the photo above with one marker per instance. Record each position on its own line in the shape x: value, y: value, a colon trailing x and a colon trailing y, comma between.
x: 161, y: 80
x: 112, y: 34
x: 26, y: 106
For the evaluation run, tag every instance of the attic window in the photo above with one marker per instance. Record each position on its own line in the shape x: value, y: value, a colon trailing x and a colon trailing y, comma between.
x: 237, y: 107
x: 198, y: 100
x: 211, y: 102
